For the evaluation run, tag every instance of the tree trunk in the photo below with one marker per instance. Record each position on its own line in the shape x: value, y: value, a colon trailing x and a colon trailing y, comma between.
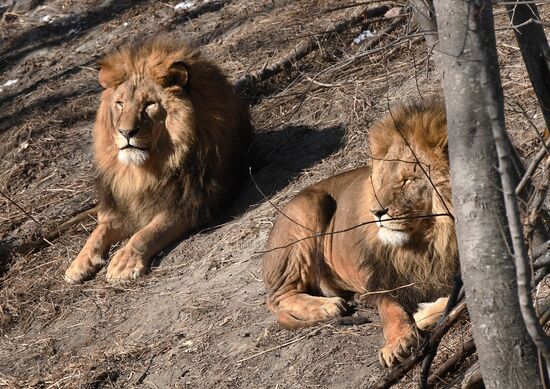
x: 425, y: 17
x: 536, y: 56
x: 506, y: 354
x: 534, y: 50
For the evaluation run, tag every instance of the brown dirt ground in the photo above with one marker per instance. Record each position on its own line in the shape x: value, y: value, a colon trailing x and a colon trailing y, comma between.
x: 198, y: 320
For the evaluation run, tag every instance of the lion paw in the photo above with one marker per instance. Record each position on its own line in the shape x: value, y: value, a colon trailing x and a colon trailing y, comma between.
x: 303, y: 310
x: 127, y: 264
x: 398, y: 350
x: 83, y: 268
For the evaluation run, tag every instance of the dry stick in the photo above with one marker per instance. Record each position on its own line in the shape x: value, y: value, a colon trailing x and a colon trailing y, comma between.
x: 532, y: 167
x: 34, y: 245
x: 537, y: 202
x: 317, y: 235
x: 541, y: 249
x: 304, y: 48
x: 297, y: 339
x: 544, y: 136
x: 454, y: 299
x: 346, y: 6
x: 468, y: 349
x: 396, y: 373
x: 472, y: 378
x: 492, y: 88
x: 20, y: 208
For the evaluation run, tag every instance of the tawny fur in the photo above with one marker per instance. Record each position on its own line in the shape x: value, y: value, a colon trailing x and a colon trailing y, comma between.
x: 193, y: 134
x: 428, y: 314
x: 309, y: 280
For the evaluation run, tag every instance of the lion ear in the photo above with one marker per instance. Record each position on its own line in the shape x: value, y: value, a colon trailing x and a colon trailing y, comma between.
x: 108, y: 77
x: 177, y: 75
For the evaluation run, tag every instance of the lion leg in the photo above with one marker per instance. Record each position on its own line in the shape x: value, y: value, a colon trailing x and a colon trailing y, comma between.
x: 304, y: 310
x: 428, y: 314
x: 400, y: 334
x: 92, y: 257
x: 294, y: 269
x: 131, y: 261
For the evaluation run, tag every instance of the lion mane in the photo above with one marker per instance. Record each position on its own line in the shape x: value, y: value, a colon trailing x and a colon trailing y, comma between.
x: 384, y: 232
x: 170, y: 143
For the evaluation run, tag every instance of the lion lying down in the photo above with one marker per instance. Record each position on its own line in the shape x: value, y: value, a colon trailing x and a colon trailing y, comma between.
x: 170, y: 142
x: 403, y: 257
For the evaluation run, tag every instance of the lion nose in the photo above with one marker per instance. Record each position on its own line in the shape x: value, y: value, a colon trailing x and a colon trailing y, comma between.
x: 379, y: 212
x: 128, y: 133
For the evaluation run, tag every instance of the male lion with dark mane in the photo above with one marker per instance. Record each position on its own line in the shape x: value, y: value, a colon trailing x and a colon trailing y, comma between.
x: 170, y: 142
x: 399, y: 255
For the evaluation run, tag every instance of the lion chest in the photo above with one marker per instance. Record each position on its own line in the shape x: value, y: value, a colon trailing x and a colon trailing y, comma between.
x: 140, y: 197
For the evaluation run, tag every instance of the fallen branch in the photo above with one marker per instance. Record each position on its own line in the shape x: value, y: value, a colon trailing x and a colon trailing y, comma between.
x: 297, y: 339
x: 468, y: 349
x: 536, y: 212
x: 35, y: 245
x: 542, y: 261
x: 532, y: 167
x: 472, y: 378
x: 396, y: 373
x: 304, y: 48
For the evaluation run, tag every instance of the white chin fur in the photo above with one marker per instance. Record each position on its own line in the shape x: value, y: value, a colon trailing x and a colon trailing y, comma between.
x: 132, y: 156
x: 392, y: 237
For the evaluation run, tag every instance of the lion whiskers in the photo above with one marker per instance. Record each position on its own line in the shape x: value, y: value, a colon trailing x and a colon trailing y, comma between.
x: 132, y: 156
x: 392, y: 237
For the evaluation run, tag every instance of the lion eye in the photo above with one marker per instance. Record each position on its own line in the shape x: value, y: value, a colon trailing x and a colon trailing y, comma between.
x: 119, y: 104
x: 407, y: 181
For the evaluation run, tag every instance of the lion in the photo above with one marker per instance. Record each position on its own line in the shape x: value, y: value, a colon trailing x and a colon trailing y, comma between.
x: 384, y: 232
x: 170, y: 145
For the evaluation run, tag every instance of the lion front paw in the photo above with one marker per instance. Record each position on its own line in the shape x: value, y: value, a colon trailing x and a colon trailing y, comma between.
x: 84, y: 267
x: 399, y: 349
x: 127, y: 264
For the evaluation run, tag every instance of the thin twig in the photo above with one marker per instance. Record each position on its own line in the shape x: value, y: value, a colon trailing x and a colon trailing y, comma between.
x: 304, y: 48
x: 20, y: 208
x: 34, y: 245
x: 454, y: 299
x: 297, y: 339
x: 396, y: 373
x: 532, y: 166
x: 273, y: 204
x: 468, y: 348
x: 472, y: 377
x: 351, y: 228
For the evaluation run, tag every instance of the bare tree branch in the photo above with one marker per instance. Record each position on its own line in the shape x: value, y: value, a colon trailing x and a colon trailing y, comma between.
x: 396, y: 373
x: 534, y: 49
x: 490, y: 76
x: 532, y: 166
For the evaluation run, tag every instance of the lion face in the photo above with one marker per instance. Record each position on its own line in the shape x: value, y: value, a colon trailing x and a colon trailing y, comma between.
x: 401, y: 195
x: 138, y: 119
